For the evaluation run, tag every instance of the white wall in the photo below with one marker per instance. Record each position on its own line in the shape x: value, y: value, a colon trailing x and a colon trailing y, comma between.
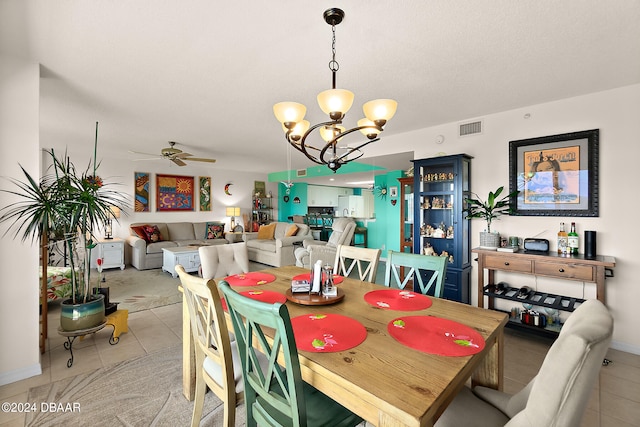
x: 19, y: 328
x: 615, y: 113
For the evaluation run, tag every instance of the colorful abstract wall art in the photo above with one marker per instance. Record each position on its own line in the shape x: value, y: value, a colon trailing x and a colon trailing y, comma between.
x: 175, y: 192
x: 141, y: 202
x: 205, y: 193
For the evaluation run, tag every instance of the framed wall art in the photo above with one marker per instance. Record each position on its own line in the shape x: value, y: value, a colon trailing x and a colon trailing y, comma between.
x: 205, y: 193
x: 556, y: 175
x: 175, y: 192
x: 141, y: 190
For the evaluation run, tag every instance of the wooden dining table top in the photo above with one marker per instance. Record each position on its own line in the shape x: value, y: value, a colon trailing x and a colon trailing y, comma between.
x: 382, y: 380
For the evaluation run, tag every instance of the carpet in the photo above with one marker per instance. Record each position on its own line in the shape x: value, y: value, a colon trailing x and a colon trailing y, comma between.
x: 137, y: 290
x: 146, y: 391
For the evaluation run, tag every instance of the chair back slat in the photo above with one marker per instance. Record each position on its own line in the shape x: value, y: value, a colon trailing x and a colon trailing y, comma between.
x: 366, y: 259
x: 433, y: 267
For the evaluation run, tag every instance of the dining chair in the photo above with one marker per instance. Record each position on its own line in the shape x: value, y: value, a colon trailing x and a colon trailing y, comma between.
x: 347, y: 257
x: 423, y: 268
x: 558, y: 395
x: 217, y: 362
x: 224, y: 260
x: 276, y: 395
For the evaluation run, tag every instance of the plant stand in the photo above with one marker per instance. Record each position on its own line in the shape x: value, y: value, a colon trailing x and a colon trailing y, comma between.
x: 72, y: 335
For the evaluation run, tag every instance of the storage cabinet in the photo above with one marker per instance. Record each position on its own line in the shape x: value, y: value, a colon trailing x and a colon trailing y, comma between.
x: 324, y: 196
x: 262, y: 210
x: 440, y: 186
x: 111, y: 251
x: 573, y: 268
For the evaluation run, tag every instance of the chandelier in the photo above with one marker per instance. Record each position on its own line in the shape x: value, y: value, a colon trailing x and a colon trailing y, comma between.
x: 335, y: 103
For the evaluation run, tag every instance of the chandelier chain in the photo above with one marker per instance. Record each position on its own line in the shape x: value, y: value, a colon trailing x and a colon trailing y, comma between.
x: 333, y: 64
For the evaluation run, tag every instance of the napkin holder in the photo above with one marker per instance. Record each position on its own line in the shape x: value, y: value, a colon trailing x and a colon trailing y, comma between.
x: 300, y: 286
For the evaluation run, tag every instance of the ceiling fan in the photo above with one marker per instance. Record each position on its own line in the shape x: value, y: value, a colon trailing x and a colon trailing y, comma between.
x: 175, y: 155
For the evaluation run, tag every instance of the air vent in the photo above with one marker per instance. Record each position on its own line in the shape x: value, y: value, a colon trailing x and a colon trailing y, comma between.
x: 301, y: 172
x: 470, y: 128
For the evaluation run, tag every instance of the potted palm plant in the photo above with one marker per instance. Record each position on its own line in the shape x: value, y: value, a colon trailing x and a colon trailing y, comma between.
x: 66, y: 205
x: 489, y: 209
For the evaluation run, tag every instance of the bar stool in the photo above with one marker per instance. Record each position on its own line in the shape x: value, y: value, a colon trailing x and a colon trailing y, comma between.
x: 362, y: 231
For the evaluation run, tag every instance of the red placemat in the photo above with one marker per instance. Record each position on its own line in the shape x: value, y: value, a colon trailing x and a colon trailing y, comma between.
x: 307, y: 276
x: 254, y: 278
x: 395, y: 299
x: 435, y: 335
x: 327, y: 333
x: 265, y: 296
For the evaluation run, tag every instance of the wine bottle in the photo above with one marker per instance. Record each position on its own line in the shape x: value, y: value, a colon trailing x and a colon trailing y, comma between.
x: 573, y: 240
x: 562, y: 240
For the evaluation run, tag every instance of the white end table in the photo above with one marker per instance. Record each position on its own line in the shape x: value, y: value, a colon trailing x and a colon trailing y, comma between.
x: 111, y: 251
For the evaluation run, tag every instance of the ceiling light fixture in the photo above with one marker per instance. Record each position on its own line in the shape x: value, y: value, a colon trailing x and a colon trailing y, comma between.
x: 335, y: 103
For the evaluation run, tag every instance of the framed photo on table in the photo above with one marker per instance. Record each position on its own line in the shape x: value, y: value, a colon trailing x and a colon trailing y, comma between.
x: 556, y: 175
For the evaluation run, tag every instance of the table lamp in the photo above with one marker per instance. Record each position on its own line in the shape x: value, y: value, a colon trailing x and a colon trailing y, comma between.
x: 233, y: 212
x: 108, y: 226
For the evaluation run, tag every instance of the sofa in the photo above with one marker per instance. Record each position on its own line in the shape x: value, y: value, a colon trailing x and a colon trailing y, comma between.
x: 143, y: 248
x: 274, y: 243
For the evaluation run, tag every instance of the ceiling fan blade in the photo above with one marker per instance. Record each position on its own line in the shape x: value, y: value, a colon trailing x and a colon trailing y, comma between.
x: 200, y: 159
x: 182, y: 155
x: 178, y: 162
x: 144, y: 154
x: 150, y: 158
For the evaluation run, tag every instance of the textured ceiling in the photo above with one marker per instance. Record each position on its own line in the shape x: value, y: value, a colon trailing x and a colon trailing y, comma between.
x: 206, y: 73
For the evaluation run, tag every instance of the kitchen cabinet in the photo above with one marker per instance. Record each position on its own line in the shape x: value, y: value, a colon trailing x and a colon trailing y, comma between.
x: 351, y: 206
x: 318, y: 195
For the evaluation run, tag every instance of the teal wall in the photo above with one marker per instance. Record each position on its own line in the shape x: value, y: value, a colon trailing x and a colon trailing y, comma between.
x: 287, y: 209
x: 384, y: 232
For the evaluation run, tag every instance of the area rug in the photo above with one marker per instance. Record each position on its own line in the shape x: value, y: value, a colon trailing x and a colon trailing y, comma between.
x: 146, y: 391
x: 137, y: 290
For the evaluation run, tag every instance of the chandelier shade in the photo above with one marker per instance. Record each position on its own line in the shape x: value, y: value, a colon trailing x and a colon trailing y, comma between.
x: 335, y: 103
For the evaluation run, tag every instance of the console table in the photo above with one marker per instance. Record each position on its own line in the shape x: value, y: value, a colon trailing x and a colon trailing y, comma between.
x: 567, y: 267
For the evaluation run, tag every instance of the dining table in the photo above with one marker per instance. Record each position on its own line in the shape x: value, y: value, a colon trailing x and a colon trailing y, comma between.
x: 387, y: 377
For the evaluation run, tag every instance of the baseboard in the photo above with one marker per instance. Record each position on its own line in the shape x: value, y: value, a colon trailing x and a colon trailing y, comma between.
x: 628, y: 348
x: 20, y: 374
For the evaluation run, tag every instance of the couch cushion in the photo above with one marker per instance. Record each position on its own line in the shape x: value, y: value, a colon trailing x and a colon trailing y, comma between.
x: 180, y: 231
x: 138, y: 230
x: 262, y: 245
x: 266, y: 232
x: 291, y: 230
x: 153, y: 233
x: 154, y: 248
x: 213, y: 230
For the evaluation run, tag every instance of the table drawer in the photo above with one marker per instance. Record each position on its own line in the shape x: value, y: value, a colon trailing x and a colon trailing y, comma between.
x: 111, y: 246
x: 565, y: 271
x: 500, y: 263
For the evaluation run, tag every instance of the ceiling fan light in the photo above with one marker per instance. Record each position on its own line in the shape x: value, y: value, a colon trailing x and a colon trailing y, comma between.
x: 289, y: 112
x: 334, y: 101
x: 328, y: 133
x: 380, y: 110
x: 371, y: 130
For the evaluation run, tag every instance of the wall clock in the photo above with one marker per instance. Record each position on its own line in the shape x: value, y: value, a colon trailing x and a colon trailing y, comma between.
x: 381, y: 191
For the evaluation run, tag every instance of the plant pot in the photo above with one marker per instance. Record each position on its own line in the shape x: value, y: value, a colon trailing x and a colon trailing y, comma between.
x: 489, y: 241
x: 75, y: 317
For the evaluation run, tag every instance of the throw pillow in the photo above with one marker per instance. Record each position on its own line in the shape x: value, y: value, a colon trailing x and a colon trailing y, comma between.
x: 139, y: 230
x: 153, y: 233
x: 266, y: 232
x: 214, y: 230
x: 291, y: 231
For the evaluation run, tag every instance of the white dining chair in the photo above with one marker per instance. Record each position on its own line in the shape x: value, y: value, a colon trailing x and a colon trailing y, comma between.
x: 366, y: 259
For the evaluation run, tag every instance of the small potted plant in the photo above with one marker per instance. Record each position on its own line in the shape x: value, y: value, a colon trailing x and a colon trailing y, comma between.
x: 489, y: 209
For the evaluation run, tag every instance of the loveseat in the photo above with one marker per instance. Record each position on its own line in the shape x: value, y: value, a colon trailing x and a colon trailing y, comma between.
x: 274, y: 244
x: 144, y: 246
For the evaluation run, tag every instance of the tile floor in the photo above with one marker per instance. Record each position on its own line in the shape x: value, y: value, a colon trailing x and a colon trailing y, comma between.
x: 615, y: 401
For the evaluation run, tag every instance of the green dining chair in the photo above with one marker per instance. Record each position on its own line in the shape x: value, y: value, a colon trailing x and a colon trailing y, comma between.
x: 276, y: 395
x: 434, y: 269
